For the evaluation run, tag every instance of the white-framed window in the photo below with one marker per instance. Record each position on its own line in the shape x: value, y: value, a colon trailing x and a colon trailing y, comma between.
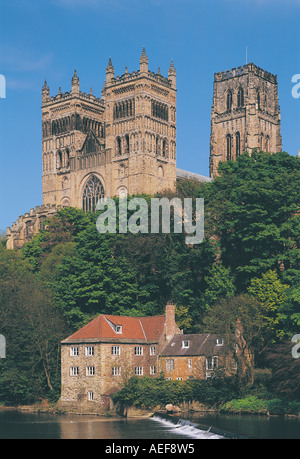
x: 220, y: 342
x: 116, y: 371
x: 179, y: 378
x: 74, y: 351
x: 90, y: 371
x: 138, y: 350
x: 190, y: 364
x: 89, y: 350
x: 185, y: 343
x: 170, y: 365
x: 152, y: 350
x: 168, y: 378
x: 118, y: 328
x: 152, y: 370
x: 74, y: 371
x: 90, y: 396
x: 138, y: 371
x: 211, y: 363
x: 115, y: 350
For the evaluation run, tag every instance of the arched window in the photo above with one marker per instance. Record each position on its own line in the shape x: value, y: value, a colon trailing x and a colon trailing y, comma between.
x: 164, y: 148
x: 229, y: 100
x: 92, y: 193
x: 59, y: 160
x: 228, y: 146
x: 240, y: 97
x: 237, y: 144
x: 157, y: 146
x: 261, y: 141
x: 267, y: 143
x: 127, y: 144
x: 119, y: 146
x: 67, y: 158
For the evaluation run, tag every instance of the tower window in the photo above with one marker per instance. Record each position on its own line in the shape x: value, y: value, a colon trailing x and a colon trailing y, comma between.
x: 229, y: 101
x: 119, y: 146
x: 164, y: 152
x: 258, y: 100
x: 92, y: 193
x: 237, y: 144
x: 228, y: 146
x: 59, y: 160
x: 267, y: 143
x: 127, y: 144
x: 240, y: 97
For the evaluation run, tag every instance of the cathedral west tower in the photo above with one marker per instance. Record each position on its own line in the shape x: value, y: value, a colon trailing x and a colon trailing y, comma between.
x: 122, y: 143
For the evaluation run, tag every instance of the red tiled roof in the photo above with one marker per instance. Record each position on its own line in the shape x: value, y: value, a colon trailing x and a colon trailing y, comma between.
x: 139, y: 328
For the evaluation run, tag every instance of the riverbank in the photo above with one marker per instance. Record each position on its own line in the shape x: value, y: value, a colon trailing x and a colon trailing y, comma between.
x: 248, y: 406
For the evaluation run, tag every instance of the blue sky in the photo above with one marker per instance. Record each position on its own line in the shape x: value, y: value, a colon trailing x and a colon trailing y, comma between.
x: 50, y: 38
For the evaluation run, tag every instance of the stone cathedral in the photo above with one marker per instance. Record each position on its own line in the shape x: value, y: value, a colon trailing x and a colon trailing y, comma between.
x: 125, y: 142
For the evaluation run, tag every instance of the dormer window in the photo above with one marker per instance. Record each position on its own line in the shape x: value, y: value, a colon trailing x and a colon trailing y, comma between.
x: 185, y: 344
x: 220, y: 342
x: 118, y: 329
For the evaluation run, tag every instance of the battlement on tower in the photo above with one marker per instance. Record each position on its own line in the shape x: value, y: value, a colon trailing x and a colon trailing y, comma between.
x: 243, y: 70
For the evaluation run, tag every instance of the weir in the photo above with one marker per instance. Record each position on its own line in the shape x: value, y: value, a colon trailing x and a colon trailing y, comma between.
x: 193, y: 429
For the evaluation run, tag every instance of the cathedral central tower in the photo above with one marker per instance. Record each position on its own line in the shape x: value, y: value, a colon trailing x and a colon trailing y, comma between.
x: 245, y: 114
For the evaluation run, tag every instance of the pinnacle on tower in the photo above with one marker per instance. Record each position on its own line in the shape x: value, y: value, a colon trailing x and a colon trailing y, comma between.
x: 172, y: 74
x: 144, y: 61
x: 75, y: 83
x: 110, y: 72
x: 75, y: 78
x: 45, y: 92
x: 144, y: 57
x: 110, y: 66
x: 172, y: 68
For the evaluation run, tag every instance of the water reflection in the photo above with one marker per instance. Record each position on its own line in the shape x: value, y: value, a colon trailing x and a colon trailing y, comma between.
x: 23, y: 425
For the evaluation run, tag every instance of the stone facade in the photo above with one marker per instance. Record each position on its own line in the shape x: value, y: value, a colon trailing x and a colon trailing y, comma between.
x: 27, y: 225
x: 122, y: 143
x: 196, y: 357
x: 98, y: 359
x: 245, y: 114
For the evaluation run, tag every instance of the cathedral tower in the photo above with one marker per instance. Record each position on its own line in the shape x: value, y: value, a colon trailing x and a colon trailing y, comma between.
x: 245, y: 114
x: 140, y: 120
x: 122, y: 143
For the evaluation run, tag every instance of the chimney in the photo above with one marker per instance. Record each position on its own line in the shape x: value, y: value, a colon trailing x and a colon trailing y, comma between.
x: 171, y: 327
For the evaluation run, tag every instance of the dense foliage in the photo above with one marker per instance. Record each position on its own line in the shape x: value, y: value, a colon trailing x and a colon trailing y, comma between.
x: 247, y: 266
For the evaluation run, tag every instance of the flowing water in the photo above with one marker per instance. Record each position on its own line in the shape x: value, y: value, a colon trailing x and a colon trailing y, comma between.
x: 23, y: 425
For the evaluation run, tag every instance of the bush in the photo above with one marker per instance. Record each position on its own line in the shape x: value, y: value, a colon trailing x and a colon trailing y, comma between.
x: 277, y: 406
x: 250, y: 404
x: 149, y: 392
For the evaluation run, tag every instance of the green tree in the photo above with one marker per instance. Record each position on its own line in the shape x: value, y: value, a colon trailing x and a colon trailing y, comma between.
x: 222, y: 319
x: 252, y: 210
x: 271, y: 293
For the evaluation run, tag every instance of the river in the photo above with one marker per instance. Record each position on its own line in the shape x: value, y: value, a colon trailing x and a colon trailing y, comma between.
x: 23, y: 425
